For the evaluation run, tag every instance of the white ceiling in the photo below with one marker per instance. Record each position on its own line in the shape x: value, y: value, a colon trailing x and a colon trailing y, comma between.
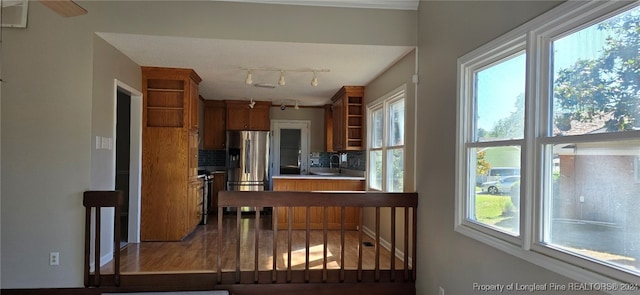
x: 220, y: 64
x: 381, y: 4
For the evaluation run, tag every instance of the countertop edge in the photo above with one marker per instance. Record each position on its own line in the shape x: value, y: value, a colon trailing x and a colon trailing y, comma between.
x: 327, y: 177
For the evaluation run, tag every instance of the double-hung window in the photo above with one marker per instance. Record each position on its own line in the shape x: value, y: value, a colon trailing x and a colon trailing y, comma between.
x: 386, y: 142
x: 549, y: 141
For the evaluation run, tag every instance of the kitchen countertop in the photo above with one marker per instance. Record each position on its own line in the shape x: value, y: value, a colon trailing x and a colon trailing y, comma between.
x: 310, y: 176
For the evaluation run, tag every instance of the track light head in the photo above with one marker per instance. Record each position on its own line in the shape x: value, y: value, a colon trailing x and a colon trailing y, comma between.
x: 249, y: 79
x: 296, y: 106
x: 314, y: 81
x: 281, y: 81
x: 283, y: 106
x: 252, y: 104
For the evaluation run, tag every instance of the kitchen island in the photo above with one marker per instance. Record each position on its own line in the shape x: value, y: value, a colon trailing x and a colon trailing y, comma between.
x: 307, y: 183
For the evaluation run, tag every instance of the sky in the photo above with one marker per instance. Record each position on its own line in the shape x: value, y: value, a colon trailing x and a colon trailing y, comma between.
x: 499, y: 85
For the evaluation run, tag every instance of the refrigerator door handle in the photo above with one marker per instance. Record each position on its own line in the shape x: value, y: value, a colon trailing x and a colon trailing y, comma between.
x: 247, y: 156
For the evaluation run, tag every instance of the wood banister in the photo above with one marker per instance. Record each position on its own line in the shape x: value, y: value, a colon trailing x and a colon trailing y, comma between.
x: 99, y: 200
x: 285, y: 201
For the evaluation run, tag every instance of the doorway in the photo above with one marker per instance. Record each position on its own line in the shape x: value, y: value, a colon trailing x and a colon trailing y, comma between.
x: 128, y: 157
x: 123, y: 147
x: 290, y: 144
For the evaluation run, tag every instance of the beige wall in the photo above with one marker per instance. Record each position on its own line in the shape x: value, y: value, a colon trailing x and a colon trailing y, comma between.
x: 57, y: 99
x: 398, y: 75
x: 448, y: 30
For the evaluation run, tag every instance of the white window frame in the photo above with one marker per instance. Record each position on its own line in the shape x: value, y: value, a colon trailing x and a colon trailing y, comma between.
x: 536, y: 37
x: 383, y: 103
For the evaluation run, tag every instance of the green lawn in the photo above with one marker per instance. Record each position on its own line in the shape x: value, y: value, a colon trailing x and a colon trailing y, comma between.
x: 492, y: 209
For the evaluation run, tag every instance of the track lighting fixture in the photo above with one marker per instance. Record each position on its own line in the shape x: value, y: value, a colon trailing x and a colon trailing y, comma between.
x: 296, y: 106
x: 281, y: 79
x: 252, y: 104
x: 249, y: 79
x: 283, y: 106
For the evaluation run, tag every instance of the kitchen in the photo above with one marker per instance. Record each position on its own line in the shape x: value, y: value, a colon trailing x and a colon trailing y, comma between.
x: 328, y: 169
x: 236, y: 100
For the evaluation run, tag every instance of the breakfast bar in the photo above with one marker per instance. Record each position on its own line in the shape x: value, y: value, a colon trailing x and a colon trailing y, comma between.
x: 308, y: 183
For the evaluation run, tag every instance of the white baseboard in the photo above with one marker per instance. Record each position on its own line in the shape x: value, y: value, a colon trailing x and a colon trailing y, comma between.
x: 103, y: 260
x: 385, y: 244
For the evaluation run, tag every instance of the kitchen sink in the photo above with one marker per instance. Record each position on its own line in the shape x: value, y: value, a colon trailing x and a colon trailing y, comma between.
x: 326, y: 173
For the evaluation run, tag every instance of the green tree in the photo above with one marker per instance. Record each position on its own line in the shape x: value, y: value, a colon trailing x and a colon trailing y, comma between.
x: 608, y: 85
x: 482, y: 166
x: 513, y: 125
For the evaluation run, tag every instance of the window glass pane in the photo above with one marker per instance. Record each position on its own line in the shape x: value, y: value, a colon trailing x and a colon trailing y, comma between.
x: 593, y: 200
x: 596, y: 81
x: 495, y: 198
x: 375, y: 170
x: 395, y: 170
x: 499, y: 94
x: 377, y: 132
x: 396, y: 123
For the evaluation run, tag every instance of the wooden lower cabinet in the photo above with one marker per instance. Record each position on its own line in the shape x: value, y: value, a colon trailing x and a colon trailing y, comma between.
x: 299, y: 214
x: 219, y: 184
x: 194, y: 210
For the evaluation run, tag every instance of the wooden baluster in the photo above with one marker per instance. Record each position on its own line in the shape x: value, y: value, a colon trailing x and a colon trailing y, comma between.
x: 274, y: 224
x: 256, y: 241
x: 87, y: 245
x: 290, y: 233
x: 238, y: 233
x: 96, y: 254
x: 360, y: 223
x: 308, y: 238
x: 413, y: 238
x: 324, y: 238
x: 219, y: 269
x: 116, y: 246
x: 342, y: 221
x: 377, y: 262
x: 406, y: 243
x: 393, y: 244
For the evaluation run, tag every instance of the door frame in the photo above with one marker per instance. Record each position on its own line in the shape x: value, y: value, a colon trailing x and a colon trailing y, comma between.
x: 135, y: 154
x: 305, y: 144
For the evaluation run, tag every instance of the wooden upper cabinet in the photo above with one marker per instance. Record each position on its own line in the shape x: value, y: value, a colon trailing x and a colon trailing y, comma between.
x: 194, y: 100
x: 214, y: 127
x: 170, y: 97
x: 328, y: 127
x: 169, y: 153
x: 348, y: 119
x: 241, y: 117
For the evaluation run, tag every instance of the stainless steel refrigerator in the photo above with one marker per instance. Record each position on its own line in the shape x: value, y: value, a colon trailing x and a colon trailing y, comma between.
x: 247, y: 162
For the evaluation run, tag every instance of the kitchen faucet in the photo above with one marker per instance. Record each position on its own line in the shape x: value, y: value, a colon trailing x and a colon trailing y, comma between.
x: 331, y: 162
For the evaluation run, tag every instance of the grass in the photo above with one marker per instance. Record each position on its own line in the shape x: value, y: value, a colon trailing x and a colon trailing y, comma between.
x: 492, y: 209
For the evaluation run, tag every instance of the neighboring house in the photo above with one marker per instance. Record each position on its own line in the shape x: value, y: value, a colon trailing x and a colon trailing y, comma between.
x: 588, y: 166
x: 505, y: 158
x: 602, y: 197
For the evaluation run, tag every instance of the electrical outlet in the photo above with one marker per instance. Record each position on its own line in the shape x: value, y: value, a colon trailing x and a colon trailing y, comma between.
x: 440, y: 291
x: 54, y: 258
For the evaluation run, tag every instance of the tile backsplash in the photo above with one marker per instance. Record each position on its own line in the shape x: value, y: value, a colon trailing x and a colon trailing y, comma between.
x: 356, y: 160
x: 211, y: 158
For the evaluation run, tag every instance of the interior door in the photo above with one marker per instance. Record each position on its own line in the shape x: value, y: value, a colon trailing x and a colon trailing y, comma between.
x: 290, y: 142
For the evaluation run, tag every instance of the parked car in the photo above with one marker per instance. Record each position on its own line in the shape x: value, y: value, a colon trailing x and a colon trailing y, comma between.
x: 500, y: 186
x: 514, y: 193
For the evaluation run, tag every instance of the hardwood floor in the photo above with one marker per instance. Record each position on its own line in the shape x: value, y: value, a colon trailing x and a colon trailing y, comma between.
x: 197, y: 253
